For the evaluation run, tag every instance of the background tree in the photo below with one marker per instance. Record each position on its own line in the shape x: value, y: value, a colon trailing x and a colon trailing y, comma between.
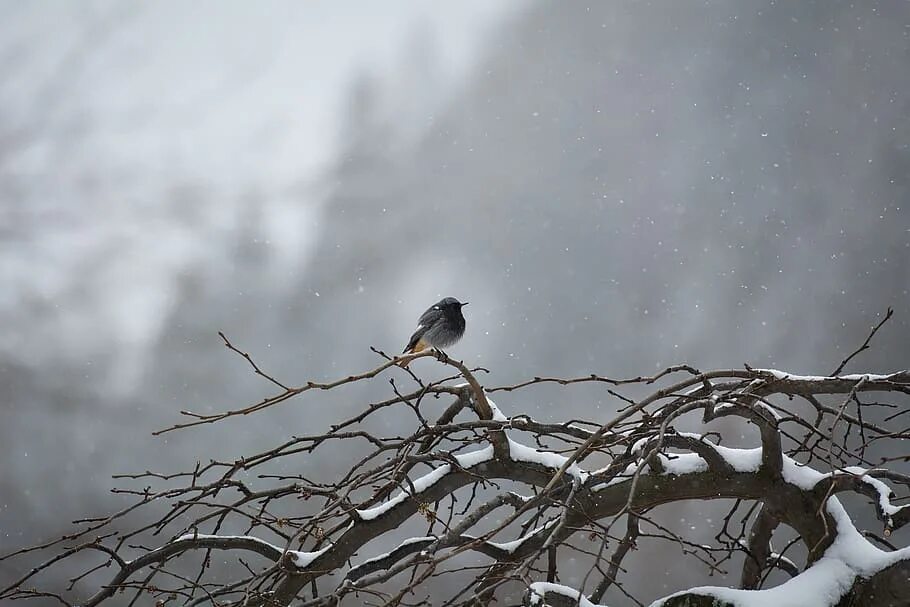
x: 509, y: 509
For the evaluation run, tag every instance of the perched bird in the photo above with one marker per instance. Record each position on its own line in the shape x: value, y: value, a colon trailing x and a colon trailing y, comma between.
x: 439, y: 327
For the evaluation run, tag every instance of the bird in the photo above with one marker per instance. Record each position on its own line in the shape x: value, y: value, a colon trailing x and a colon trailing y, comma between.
x: 439, y: 327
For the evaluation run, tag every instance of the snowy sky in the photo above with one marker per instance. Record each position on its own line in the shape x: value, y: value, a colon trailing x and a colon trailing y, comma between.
x: 142, y: 128
x: 177, y: 77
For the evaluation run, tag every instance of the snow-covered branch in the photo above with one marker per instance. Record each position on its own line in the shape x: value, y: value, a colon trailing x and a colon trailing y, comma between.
x: 502, y: 497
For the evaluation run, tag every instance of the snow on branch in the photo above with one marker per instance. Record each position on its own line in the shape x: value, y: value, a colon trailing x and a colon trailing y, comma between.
x: 469, y: 489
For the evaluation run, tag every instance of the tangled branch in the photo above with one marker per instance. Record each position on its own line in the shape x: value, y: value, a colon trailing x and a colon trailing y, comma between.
x: 504, y: 497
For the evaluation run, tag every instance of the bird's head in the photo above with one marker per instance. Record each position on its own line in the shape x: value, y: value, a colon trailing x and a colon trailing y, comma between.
x: 450, y: 303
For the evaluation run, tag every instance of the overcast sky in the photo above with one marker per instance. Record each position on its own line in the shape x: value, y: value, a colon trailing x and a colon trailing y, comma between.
x: 144, y: 128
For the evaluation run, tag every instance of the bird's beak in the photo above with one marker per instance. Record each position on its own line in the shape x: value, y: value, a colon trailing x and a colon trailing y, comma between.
x: 464, y: 304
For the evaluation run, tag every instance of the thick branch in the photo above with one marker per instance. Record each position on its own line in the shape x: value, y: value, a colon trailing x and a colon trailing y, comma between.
x: 759, y: 548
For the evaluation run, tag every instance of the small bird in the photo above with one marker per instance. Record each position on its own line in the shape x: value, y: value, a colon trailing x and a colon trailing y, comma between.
x: 439, y: 327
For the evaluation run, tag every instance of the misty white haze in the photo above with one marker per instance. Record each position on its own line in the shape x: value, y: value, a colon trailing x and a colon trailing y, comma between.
x: 614, y: 187
x: 159, y: 123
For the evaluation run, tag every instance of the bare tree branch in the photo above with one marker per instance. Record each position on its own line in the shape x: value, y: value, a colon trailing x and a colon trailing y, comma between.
x: 565, y: 484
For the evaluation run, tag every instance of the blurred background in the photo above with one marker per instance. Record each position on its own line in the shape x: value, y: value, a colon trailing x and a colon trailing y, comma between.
x: 615, y: 187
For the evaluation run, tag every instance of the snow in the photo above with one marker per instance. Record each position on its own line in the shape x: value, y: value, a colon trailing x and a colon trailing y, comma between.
x: 554, y: 461
x: 414, y: 540
x: 852, y: 377
x: 679, y: 464
x: 421, y: 484
x: 867, y: 376
x: 539, y: 589
x: 771, y: 410
x: 784, y: 375
x: 466, y: 460
x: 207, y: 536
x: 742, y: 460
x: 625, y: 475
x: 777, y: 556
x: 471, y: 459
x: 407, y: 542
x: 823, y: 584
x: 300, y: 558
x: 512, y: 546
x: 749, y: 460
x: 883, y: 490
x: 721, y: 407
x: 638, y: 445
x: 803, y: 477
x: 524, y: 498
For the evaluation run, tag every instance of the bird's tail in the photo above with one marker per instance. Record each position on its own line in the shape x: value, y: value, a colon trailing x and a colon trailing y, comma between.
x: 414, y: 348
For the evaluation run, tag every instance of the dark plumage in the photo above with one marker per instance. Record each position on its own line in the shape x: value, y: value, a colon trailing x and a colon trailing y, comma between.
x: 439, y: 327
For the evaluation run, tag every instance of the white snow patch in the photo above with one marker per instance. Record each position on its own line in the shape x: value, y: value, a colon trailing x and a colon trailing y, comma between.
x: 554, y: 461
x: 685, y: 463
x: 883, y: 490
x: 421, y: 484
x: 302, y: 559
x: 867, y: 376
x: 208, y: 536
x: 524, y: 498
x: 466, y: 460
x: 512, y: 546
x: 851, y: 377
x: 407, y: 542
x: 539, y: 589
x: 638, y: 445
x: 823, y: 584
x: 777, y: 556
x: 777, y: 416
x: 803, y: 477
x: 742, y: 460
x: 625, y: 475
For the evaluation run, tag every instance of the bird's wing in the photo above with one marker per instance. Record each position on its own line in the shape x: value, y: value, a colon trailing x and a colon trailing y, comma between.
x: 418, y: 333
x: 427, y: 319
x: 430, y: 316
